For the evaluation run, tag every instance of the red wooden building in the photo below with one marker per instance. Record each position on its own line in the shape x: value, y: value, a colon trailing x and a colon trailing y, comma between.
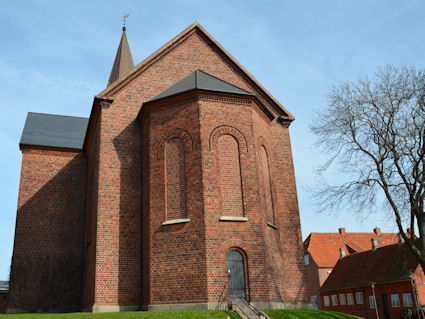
x: 384, y: 283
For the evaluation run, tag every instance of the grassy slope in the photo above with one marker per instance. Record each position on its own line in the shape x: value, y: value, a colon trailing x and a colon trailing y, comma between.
x: 306, y: 314
x: 210, y: 314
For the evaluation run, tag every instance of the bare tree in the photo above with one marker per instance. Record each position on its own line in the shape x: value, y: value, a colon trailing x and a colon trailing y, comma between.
x: 373, y: 131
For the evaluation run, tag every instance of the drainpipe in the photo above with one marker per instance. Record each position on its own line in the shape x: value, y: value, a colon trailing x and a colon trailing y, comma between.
x: 412, y: 282
x: 372, y: 285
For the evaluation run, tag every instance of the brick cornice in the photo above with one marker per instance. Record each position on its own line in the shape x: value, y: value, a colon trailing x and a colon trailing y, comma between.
x: 98, y: 104
x: 50, y: 150
x: 204, y: 95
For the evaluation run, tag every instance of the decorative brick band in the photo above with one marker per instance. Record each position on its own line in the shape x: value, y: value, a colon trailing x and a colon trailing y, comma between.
x: 233, y: 100
x: 105, y: 103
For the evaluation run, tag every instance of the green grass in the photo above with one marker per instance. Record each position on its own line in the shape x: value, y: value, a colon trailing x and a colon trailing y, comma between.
x: 201, y: 314
x: 306, y: 314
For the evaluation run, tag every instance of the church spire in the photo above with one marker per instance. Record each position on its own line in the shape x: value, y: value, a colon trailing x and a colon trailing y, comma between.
x: 123, y: 63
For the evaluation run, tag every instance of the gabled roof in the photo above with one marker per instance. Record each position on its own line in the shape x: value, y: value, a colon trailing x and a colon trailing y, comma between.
x: 387, y: 264
x: 324, y: 247
x: 54, y: 131
x: 202, y: 81
x: 260, y: 91
x: 123, y: 63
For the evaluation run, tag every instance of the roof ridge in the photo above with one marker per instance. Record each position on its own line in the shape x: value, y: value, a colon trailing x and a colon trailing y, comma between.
x: 221, y: 80
x: 51, y: 114
x: 200, y: 80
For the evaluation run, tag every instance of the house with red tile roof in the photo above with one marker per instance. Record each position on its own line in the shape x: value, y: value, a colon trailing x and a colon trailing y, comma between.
x: 386, y: 282
x: 323, y: 250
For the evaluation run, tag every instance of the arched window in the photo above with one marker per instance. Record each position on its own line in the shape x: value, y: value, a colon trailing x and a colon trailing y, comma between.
x: 230, y: 176
x: 267, y: 186
x: 175, y: 179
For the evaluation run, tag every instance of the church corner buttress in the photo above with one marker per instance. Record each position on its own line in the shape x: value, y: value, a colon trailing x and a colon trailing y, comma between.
x: 177, y: 193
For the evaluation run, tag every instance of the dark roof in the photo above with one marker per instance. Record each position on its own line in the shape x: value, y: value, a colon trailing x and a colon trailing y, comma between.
x: 387, y: 264
x: 201, y: 81
x: 54, y: 130
x: 123, y: 63
x: 4, y: 286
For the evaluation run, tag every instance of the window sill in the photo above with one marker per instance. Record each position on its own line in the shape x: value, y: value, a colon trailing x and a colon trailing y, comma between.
x: 176, y: 221
x: 233, y: 219
x: 271, y: 225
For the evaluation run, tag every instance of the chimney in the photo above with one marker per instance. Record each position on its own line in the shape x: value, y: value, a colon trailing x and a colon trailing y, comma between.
x: 341, y: 231
x: 377, y: 231
x: 375, y: 243
x: 342, y: 253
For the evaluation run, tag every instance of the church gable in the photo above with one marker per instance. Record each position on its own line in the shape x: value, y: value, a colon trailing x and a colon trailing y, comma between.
x: 192, y: 49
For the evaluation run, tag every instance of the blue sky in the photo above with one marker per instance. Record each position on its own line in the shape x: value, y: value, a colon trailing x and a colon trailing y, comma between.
x: 56, y: 55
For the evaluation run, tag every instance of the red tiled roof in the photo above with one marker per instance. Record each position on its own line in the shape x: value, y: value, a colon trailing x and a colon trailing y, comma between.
x: 386, y: 264
x: 324, y: 247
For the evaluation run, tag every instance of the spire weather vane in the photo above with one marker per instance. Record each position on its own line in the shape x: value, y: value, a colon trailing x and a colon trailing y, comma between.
x: 123, y: 18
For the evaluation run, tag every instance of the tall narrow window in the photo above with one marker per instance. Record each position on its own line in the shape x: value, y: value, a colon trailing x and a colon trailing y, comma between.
x: 267, y: 187
x: 230, y: 176
x: 175, y: 179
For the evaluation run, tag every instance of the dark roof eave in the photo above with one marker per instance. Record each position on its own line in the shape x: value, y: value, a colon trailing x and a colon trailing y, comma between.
x: 364, y: 284
x: 55, y: 147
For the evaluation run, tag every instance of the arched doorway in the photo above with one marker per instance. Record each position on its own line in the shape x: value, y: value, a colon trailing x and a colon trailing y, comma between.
x: 236, y: 274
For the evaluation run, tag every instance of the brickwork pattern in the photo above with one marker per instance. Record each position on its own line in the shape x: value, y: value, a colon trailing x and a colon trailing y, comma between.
x: 89, y: 266
x: 230, y: 176
x: 46, y: 267
x: 174, y: 255
x: 364, y: 309
x: 175, y: 179
x: 266, y: 185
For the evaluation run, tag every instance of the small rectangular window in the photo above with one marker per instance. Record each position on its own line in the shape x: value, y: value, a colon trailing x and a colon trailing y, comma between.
x: 359, y: 298
x: 395, y: 301
x: 407, y: 300
x: 372, y: 302
x: 342, y: 300
x: 306, y: 260
x: 334, y: 300
x: 326, y: 301
x: 350, y: 299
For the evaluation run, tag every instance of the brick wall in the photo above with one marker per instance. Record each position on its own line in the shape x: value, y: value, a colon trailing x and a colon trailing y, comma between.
x: 419, y: 279
x: 47, y: 256
x: 3, y: 302
x: 229, y: 176
x: 364, y: 310
x: 315, y: 277
x: 174, y: 257
x: 175, y: 179
x: 89, y: 268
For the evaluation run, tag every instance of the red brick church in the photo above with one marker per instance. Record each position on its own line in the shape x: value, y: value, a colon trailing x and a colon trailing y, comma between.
x: 177, y: 192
